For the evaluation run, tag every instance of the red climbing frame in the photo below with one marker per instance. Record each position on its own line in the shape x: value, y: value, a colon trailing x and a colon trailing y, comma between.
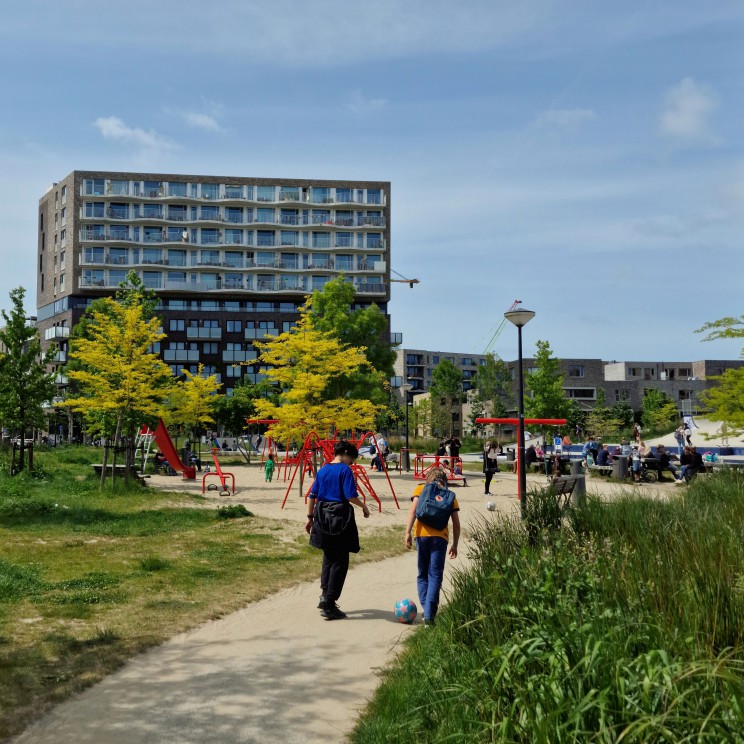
x: 314, y: 443
x: 422, y: 464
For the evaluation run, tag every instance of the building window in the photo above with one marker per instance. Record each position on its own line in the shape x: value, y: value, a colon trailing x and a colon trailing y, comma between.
x: 234, y: 326
x: 685, y: 372
x: 210, y: 347
x: 266, y: 193
x: 93, y: 187
x: 466, y: 362
x: 576, y: 370
x: 177, y: 325
x: 585, y: 393
x: 61, y: 282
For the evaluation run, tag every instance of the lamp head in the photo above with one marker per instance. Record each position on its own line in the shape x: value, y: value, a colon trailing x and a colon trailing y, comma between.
x: 519, y: 317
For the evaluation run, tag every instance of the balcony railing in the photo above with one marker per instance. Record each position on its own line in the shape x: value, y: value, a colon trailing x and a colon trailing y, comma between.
x: 238, y: 356
x: 56, y: 332
x: 60, y: 357
x: 181, y: 355
x: 117, y: 214
x: 396, y: 339
x: 61, y: 380
x: 370, y: 288
x: 199, y: 332
x: 117, y: 189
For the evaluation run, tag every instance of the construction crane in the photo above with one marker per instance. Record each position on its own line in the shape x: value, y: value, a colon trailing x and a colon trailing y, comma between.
x: 403, y: 280
x: 500, y: 328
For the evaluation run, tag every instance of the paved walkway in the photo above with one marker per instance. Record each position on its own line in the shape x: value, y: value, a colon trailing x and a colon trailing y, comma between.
x: 256, y: 675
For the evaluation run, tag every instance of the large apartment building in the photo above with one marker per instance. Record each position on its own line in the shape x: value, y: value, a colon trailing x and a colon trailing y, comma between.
x: 582, y: 378
x: 230, y: 259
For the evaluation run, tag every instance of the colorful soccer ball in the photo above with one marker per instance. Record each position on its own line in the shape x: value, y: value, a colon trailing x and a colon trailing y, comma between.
x: 490, y: 506
x: 405, y: 611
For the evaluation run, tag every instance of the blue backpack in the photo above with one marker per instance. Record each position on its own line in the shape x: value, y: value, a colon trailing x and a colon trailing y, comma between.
x: 435, y: 506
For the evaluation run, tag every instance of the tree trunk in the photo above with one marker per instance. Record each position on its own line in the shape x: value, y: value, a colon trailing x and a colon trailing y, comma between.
x: 22, y: 450
x: 105, y: 463
x: 31, y: 456
x: 117, y: 437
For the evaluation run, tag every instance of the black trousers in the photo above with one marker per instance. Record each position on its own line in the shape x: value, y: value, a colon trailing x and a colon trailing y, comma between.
x: 489, y: 477
x: 333, y: 573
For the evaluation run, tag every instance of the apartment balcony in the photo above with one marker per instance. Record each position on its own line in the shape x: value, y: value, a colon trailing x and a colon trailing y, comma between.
x: 396, y: 339
x: 371, y: 288
x: 61, y: 380
x: 201, y: 333
x: 114, y: 214
x: 239, y: 356
x: 318, y: 265
x: 181, y: 355
x: 56, y: 332
x: 253, y: 333
x: 118, y: 189
x: 60, y: 357
x: 98, y: 236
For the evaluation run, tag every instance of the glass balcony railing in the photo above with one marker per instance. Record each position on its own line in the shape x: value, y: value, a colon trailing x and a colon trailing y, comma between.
x: 370, y: 288
x: 56, y: 332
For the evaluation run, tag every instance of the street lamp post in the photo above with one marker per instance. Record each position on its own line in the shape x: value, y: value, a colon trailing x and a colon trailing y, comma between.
x: 406, y: 389
x: 520, y: 318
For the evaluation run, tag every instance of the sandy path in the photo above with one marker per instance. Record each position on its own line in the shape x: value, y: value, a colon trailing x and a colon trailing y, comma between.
x: 258, y: 675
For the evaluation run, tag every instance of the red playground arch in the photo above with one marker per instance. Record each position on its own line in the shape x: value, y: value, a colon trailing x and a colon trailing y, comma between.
x: 520, y: 445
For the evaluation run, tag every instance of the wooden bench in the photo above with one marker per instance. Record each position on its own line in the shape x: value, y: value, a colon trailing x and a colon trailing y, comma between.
x: 563, y: 487
x: 121, y: 470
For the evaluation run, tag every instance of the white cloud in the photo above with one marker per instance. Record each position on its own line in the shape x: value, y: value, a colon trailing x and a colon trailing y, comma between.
x: 564, y: 118
x: 688, y: 107
x: 361, y: 104
x: 201, y: 121
x: 113, y: 128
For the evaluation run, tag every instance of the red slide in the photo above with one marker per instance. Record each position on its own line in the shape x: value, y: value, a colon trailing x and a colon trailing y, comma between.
x: 165, y: 445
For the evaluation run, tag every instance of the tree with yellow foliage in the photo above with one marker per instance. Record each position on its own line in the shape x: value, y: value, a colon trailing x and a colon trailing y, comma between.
x: 119, y: 380
x: 192, y: 401
x: 306, y: 364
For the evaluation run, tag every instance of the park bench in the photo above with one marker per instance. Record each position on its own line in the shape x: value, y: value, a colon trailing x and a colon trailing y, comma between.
x: 563, y: 488
x: 601, y: 469
x: 121, y: 470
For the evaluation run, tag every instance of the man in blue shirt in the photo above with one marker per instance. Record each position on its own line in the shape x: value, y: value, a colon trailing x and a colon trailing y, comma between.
x: 331, y: 524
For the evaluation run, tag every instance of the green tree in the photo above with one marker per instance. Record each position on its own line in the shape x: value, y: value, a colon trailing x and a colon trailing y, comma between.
x: 305, y: 365
x: 544, y: 384
x: 231, y: 411
x: 446, y: 392
x: 25, y: 384
x: 192, y: 402
x: 659, y: 411
x: 493, y: 386
x: 364, y: 328
x: 726, y: 399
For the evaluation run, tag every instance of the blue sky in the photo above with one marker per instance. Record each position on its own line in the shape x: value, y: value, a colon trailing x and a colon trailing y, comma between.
x: 584, y: 157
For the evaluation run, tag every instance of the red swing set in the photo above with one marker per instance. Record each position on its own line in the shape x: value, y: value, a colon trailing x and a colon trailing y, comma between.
x: 303, y: 462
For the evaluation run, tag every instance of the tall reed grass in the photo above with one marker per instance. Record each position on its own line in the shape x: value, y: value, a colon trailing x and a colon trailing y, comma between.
x: 624, y: 623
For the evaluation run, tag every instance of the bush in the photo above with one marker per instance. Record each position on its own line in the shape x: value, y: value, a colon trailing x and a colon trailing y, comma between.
x: 232, y: 511
x: 628, y: 622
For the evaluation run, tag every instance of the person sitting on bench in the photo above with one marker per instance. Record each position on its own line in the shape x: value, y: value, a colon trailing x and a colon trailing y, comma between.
x: 603, y: 457
x: 665, y: 461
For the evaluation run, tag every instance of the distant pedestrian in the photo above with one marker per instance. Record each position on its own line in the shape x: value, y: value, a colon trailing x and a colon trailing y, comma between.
x: 679, y: 437
x: 433, y: 505
x: 490, y: 464
x: 269, y: 468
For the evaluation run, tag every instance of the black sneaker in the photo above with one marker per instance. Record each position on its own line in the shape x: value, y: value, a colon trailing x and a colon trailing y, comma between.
x: 331, y: 612
x: 321, y: 601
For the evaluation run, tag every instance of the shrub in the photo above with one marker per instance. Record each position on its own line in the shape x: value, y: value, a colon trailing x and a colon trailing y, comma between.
x: 232, y: 511
x: 627, y: 623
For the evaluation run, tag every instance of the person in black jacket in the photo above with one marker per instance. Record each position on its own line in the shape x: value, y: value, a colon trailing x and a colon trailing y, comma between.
x: 490, y: 464
x: 332, y: 526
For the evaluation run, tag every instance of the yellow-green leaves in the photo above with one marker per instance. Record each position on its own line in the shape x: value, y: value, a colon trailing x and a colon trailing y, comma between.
x: 305, y: 362
x: 118, y: 373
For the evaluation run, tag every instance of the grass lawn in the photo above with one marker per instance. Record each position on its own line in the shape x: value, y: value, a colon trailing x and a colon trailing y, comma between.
x: 88, y: 579
x: 622, y: 622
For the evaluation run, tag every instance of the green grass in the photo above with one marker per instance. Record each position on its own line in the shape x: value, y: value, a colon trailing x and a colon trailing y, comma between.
x: 88, y: 579
x: 624, y: 624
